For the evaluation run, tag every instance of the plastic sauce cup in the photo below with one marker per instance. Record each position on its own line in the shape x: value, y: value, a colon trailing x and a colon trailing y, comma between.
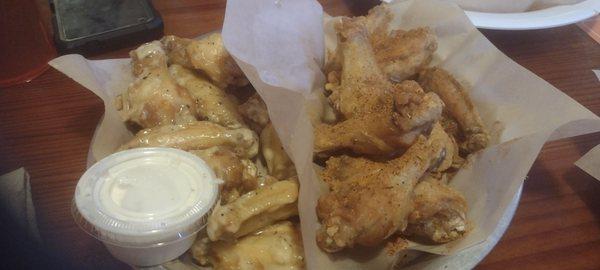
x: 147, y: 204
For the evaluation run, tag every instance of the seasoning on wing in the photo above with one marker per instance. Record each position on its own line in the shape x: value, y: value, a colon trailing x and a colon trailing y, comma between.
x: 458, y: 105
x: 369, y: 201
x: 365, y: 98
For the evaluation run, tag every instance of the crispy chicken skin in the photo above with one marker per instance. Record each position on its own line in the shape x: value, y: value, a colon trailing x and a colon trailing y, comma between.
x: 439, y: 213
x: 369, y: 201
x: 207, y: 54
x: 279, y: 164
x: 255, y: 112
x: 213, y: 104
x: 239, y: 175
x: 197, y: 135
x: 154, y: 98
x: 253, y: 211
x: 276, y: 247
x: 458, y: 105
x: 365, y: 98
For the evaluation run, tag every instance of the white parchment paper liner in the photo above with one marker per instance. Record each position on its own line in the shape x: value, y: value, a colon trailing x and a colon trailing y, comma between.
x: 280, y: 46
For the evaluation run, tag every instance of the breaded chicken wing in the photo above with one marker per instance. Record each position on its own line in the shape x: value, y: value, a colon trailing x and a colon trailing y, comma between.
x: 213, y: 104
x: 369, y: 201
x: 197, y: 135
x: 154, y: 98
x: 458, y: 105
x: 277, y: 247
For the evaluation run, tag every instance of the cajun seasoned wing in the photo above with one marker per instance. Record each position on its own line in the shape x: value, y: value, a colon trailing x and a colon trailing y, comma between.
x: 197, y: 135
x: 400, y: 54
x: 213, y: 104
x: 439, y: 213
x: 253, y: 210
x: 458, y: 105
x: 276, y: 247
x: 154, y: 98
x: 365, y: 98
x: 239, y: 175
x: 279, y: 164
x: 369, y: 201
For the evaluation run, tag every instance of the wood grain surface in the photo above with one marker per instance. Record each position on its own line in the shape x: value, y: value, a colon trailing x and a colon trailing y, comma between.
x: 46, y: 126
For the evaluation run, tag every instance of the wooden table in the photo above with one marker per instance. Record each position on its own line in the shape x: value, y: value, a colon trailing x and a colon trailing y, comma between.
x: 46, y: 126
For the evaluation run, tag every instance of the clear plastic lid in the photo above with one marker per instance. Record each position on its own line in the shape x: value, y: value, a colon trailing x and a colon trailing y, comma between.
x: 146, y: 196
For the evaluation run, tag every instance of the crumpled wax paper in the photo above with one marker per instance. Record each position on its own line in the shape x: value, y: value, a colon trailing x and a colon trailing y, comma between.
x: 280, y: 45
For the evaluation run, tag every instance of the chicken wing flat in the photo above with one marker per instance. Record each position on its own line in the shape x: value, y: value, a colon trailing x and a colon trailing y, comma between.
x: 195, y: 136
x: 239, y: 175
x: 253, y: 210
x: 213, y: 104
x: 154, y: 98
x: 370, y: 201
x: 365, y: 98
x: 207, y: 54
x: 278, y: 246
x: 255, y: 112
x: 439, y: 213
x: 279, y: 164
x: 458, y: 105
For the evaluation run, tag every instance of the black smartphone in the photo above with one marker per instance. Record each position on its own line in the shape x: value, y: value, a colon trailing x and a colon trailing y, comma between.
x: 94, y: 26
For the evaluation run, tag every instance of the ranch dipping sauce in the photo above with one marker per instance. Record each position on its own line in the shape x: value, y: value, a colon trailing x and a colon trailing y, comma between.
x: 147, y: 204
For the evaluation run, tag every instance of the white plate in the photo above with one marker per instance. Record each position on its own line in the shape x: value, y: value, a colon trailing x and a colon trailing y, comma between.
x: 539, y: 19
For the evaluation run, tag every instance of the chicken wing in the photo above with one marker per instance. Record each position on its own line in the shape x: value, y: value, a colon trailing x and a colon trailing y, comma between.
x: 253, y: 210
x: 371, y: 201
x: 458, y: 105
x: 239, y: 175
x: 404, y: 53
x: 175, y: 48
x: 279, y: 164
x: 154, y: 98
x: 197, y: 135
x: 207, y: 54
x: 213, y: 104
x: 276, y: 247
x: 255, y: 112
x: 400, y: 54
x: 365, y: 98
x: 439, y: 213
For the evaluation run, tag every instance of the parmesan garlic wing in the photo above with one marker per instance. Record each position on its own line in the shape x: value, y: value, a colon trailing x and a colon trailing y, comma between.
x: 253, y: 211
x: 154, y: 98
x: 276, y: 247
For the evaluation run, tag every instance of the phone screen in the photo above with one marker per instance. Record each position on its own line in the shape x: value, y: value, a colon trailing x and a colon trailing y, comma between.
x: 83, y: 18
